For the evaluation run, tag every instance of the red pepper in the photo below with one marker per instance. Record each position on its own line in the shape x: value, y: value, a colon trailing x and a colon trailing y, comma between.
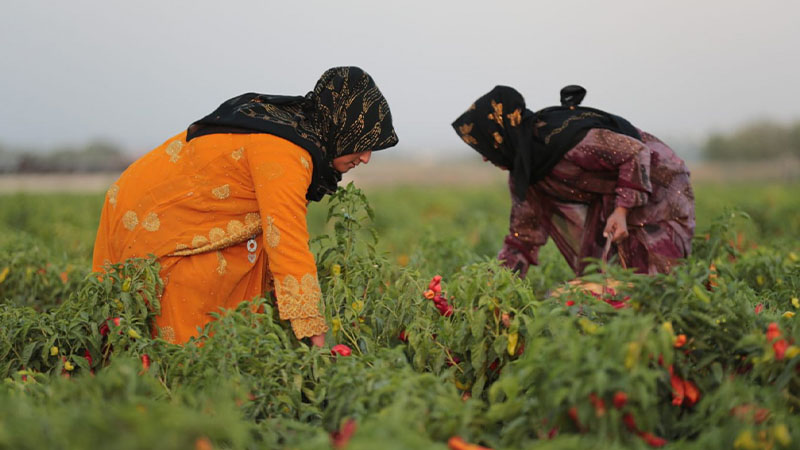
x: 620, y: 399
x: 780, y: 347
x: 341, y: 350
x: 340, y: 438
x: 457, y: 443
x: 402, y: 336
x: 570, y: 303
x: 653, y: 440
x: 759, y: 308
x: 677, y: 388
x: 599, y: 405
x: 145, y: 362
x: 680, y: 340
x: 773, y: 332
x: 691, y: 392
x: 630, y: 422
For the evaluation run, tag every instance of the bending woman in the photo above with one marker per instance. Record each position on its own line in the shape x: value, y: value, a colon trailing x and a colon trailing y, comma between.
x: 223, y: 205
x: 584, y: 178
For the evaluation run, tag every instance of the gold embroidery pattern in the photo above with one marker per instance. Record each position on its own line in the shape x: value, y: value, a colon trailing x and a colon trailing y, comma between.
x: 223, y: 264
x: 497, y: 115
x: 305, y: 163
x: 515, y: 118
x: 310, y: 326
x: 238, y: 153
x: 235, y: 227
x: 202, y: 245
x: 566, y: 123
x: 216, y: 234
x: 222, y: 192
x: 167, y: 334
x: 251, y: 219
x: 174, y: 150
x: 498, y: 139
x: 199, y: 241
x: 298, y: 300
x: 180, y: 247
x: 112, y: 193
x: 130, y: 220
x: 464, y: 131
x: 151, y: 222
x: 272, y: 233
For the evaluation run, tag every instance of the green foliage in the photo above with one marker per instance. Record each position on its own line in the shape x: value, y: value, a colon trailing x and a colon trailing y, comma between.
x: 755, y: 141
x: 512, y: 367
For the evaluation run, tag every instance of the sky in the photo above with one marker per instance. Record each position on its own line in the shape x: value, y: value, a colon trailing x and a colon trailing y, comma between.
x: 136, y: 73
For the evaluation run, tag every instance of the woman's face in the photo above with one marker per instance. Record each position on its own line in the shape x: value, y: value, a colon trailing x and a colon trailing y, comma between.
x: 347, y: 162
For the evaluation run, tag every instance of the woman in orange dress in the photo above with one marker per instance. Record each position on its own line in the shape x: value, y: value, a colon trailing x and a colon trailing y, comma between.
x: 222, y: 205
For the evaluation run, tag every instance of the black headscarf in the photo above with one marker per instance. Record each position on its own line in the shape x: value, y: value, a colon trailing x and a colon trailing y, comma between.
x: 344, y: 114
x: 530, y: 144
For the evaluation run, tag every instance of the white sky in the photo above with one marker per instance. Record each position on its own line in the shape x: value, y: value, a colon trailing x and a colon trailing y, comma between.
x: 138, y: 72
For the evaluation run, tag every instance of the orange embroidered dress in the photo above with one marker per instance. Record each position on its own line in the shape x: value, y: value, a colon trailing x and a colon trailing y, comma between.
x: 196, y: 206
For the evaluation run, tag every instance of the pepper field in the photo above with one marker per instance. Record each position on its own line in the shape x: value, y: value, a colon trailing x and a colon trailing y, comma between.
x: 704, y: 358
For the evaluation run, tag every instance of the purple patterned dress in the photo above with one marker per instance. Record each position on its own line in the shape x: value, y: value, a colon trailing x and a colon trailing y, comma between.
x: 606, y: 170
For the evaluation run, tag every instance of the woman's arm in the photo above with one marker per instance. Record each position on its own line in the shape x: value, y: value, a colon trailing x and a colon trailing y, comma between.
x: 281, y: 174
x: 526, y: 233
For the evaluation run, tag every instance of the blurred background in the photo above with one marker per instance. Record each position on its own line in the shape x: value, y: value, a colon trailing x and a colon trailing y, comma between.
x: 88, y: 86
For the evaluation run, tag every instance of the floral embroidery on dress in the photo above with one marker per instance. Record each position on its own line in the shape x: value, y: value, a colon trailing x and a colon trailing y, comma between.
x: 222, y: 192
x: 309, y: 326
x: 167, y: 333
x: 174, y: 150
x: 238, y: 153
x: 216, y: 234
x: 112, y: 193
x: 199, y: 241
x: 272, y: 233
x: 298, y: 299
x: 130, y: 220
x: 223, y: 264
x: 151, y: 222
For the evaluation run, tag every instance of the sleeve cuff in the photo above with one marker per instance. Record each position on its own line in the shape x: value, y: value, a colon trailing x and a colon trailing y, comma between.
x: 630, y: 198
x: 309, y: 326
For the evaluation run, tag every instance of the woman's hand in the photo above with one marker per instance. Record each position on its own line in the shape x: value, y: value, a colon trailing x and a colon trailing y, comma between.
x: 617, y: 225
x: 514, y: 260
x: 318, y: 340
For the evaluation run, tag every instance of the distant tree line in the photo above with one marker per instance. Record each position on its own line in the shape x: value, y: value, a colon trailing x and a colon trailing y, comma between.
x: 755, y: 141
x: 96, y: 156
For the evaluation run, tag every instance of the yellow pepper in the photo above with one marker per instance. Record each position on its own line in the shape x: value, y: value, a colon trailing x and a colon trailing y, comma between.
x: 68, y: 366
x: 795, y: 302
x: 745, y: 441
x: 126, y: 285
x: 4, y: 274
x: 134, y: 334
x: 633, y: 354
x: 782, y: 435
x: 53, y: 350
x: 788, y: 314
x: 512, y: 343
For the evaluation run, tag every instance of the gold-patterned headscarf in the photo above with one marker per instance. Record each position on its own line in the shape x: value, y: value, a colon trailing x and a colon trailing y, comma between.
x: 346, y: 113
x: 528, y: 144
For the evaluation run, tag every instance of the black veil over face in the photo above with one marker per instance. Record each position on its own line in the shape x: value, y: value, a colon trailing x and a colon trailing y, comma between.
x: 344, y: 114
x: 503, y: 130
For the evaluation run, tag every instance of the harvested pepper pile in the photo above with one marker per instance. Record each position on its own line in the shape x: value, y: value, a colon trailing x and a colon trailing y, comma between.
x: 468, y: 358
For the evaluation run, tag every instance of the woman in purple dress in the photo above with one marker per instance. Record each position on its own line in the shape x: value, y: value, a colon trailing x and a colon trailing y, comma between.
x: 584, y: 178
